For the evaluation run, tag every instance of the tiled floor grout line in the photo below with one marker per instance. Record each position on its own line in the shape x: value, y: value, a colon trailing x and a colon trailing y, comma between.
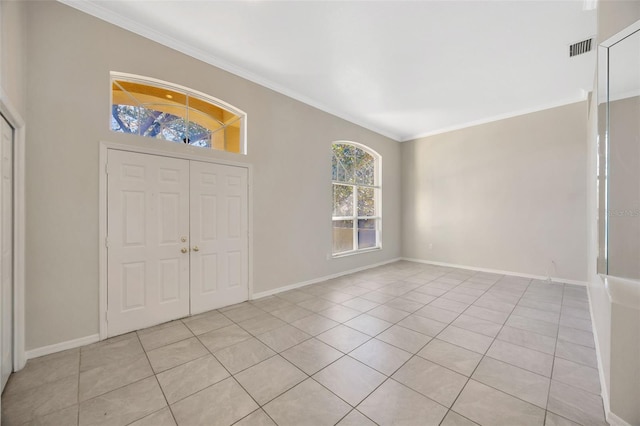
x: 494, y: 339
x: 155, y: 376
x: 401, y: 278
x: 553, y: 359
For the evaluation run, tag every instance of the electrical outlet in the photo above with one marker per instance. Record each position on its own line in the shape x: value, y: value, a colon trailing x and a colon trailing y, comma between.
x: 430, y: 246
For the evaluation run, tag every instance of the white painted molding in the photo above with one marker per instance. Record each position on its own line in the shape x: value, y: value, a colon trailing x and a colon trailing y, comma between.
x: 623, y: 291
x: 603, y: 383
x: 8, y: 110
x: 94, y: 9
x: 615, y: 420
x: 498, y: 271
x: 62, y: 346
x: 262, y: 294
x: 499, y: 117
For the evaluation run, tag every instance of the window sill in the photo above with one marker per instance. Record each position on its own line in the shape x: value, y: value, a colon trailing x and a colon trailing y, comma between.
x: 354, y: 252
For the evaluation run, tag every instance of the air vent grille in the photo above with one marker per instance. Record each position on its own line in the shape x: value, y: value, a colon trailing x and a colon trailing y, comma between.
x: 580, y: 47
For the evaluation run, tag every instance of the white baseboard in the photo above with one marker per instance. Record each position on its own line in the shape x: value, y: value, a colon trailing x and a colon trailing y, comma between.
x: 62, y: 346
x: 615, y: 420
x: 497, y: 271
x: 603, y: 384
x: 318, y: 280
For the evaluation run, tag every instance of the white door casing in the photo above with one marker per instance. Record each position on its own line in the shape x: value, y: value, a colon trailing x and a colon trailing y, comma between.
x: 219, y: 237
x: 6, y: 250
x: 148, y: 231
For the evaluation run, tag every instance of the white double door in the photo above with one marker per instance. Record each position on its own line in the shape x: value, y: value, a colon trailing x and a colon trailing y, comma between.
x: 177, y: 239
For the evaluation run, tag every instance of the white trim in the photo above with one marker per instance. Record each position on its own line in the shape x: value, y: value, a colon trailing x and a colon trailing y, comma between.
x: 498, y: 271
x: 62, y: 346
x: 615, y: 420
x: 196, y: 155
x: 262, y: 294
x: 93, y: 9
x: 621, y: 35
x: 15, y: 120
x: 604, y: 393
x: 569, y: 101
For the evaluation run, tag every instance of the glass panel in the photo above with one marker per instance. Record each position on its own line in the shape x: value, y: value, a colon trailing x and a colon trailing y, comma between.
x: 365, y: 173
x: 623, y: 165
x: 342, y: 200
x: 233, y: 134
x: 163, y: 125
x: 366, y: 202
x: 200, y: 126
x: 161, y: 113
x: 342, y: 236
x: 367, y: 233
x: 345, y: 162
x: 124, y: 118
x: 334, y: 167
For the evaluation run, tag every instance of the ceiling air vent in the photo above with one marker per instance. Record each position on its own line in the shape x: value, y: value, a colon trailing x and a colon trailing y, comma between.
x: 580, y: 47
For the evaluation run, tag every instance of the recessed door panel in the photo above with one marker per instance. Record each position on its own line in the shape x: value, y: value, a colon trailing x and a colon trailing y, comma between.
x: 209, y: 279
x: 169, y: 226
x: 133, y: 216
x: 169, y: 276
x: 234, y: 268
x: 133, y: 286
x: 234, y: 217
x: 208, y: 217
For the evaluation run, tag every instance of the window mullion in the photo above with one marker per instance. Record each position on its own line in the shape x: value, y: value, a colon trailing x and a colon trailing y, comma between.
x: 355, y: 217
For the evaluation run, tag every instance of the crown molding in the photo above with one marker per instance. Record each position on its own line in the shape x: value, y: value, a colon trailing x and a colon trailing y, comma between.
x: 92, y: 8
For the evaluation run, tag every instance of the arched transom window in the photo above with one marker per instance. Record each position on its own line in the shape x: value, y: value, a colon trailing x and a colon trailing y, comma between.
x: 161, y: 110
x: 356, y: 198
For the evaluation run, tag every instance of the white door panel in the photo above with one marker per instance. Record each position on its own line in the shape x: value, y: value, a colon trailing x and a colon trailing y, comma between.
x: 6, y: 250
x: 219, y: 267
x: 148, y: 217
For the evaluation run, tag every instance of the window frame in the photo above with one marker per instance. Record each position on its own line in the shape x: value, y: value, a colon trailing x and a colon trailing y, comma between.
x: 355, y: 217
x: 134, y: 78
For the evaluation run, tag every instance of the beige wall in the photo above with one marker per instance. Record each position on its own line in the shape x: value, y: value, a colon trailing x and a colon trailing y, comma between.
x: 70, y: 55
x: 508, y: 195
x: 13, y: 40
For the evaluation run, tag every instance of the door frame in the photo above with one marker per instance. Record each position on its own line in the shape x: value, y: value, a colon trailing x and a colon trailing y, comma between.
x: 12, y: 116
x: 190, y: 153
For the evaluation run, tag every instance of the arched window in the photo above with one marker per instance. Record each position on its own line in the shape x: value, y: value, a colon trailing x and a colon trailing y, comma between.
x: 160, y: 110
x: 356, y: 198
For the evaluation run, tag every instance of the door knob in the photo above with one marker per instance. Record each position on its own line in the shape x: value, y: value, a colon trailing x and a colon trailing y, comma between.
x: 195, y: 248
x: 184, y: 250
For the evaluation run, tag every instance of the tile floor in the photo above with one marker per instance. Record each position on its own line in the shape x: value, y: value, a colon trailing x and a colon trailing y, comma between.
x: 401, y: 344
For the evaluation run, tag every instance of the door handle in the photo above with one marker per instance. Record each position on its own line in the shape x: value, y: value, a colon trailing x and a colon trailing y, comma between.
x: 195, y: 248
x: 184, y: 250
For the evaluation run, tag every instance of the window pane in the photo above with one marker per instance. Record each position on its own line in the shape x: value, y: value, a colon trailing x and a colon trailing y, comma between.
x: 342, y: 236
x: 342, y: 200
x: 366, y: 202
x: 365, y: 173
x: 124, y: 118
x: 344, y: 162
x: 367, y: 233
x: 157, y: 111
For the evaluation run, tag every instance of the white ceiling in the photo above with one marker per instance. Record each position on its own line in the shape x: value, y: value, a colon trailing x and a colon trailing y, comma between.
x: 402, y: 68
